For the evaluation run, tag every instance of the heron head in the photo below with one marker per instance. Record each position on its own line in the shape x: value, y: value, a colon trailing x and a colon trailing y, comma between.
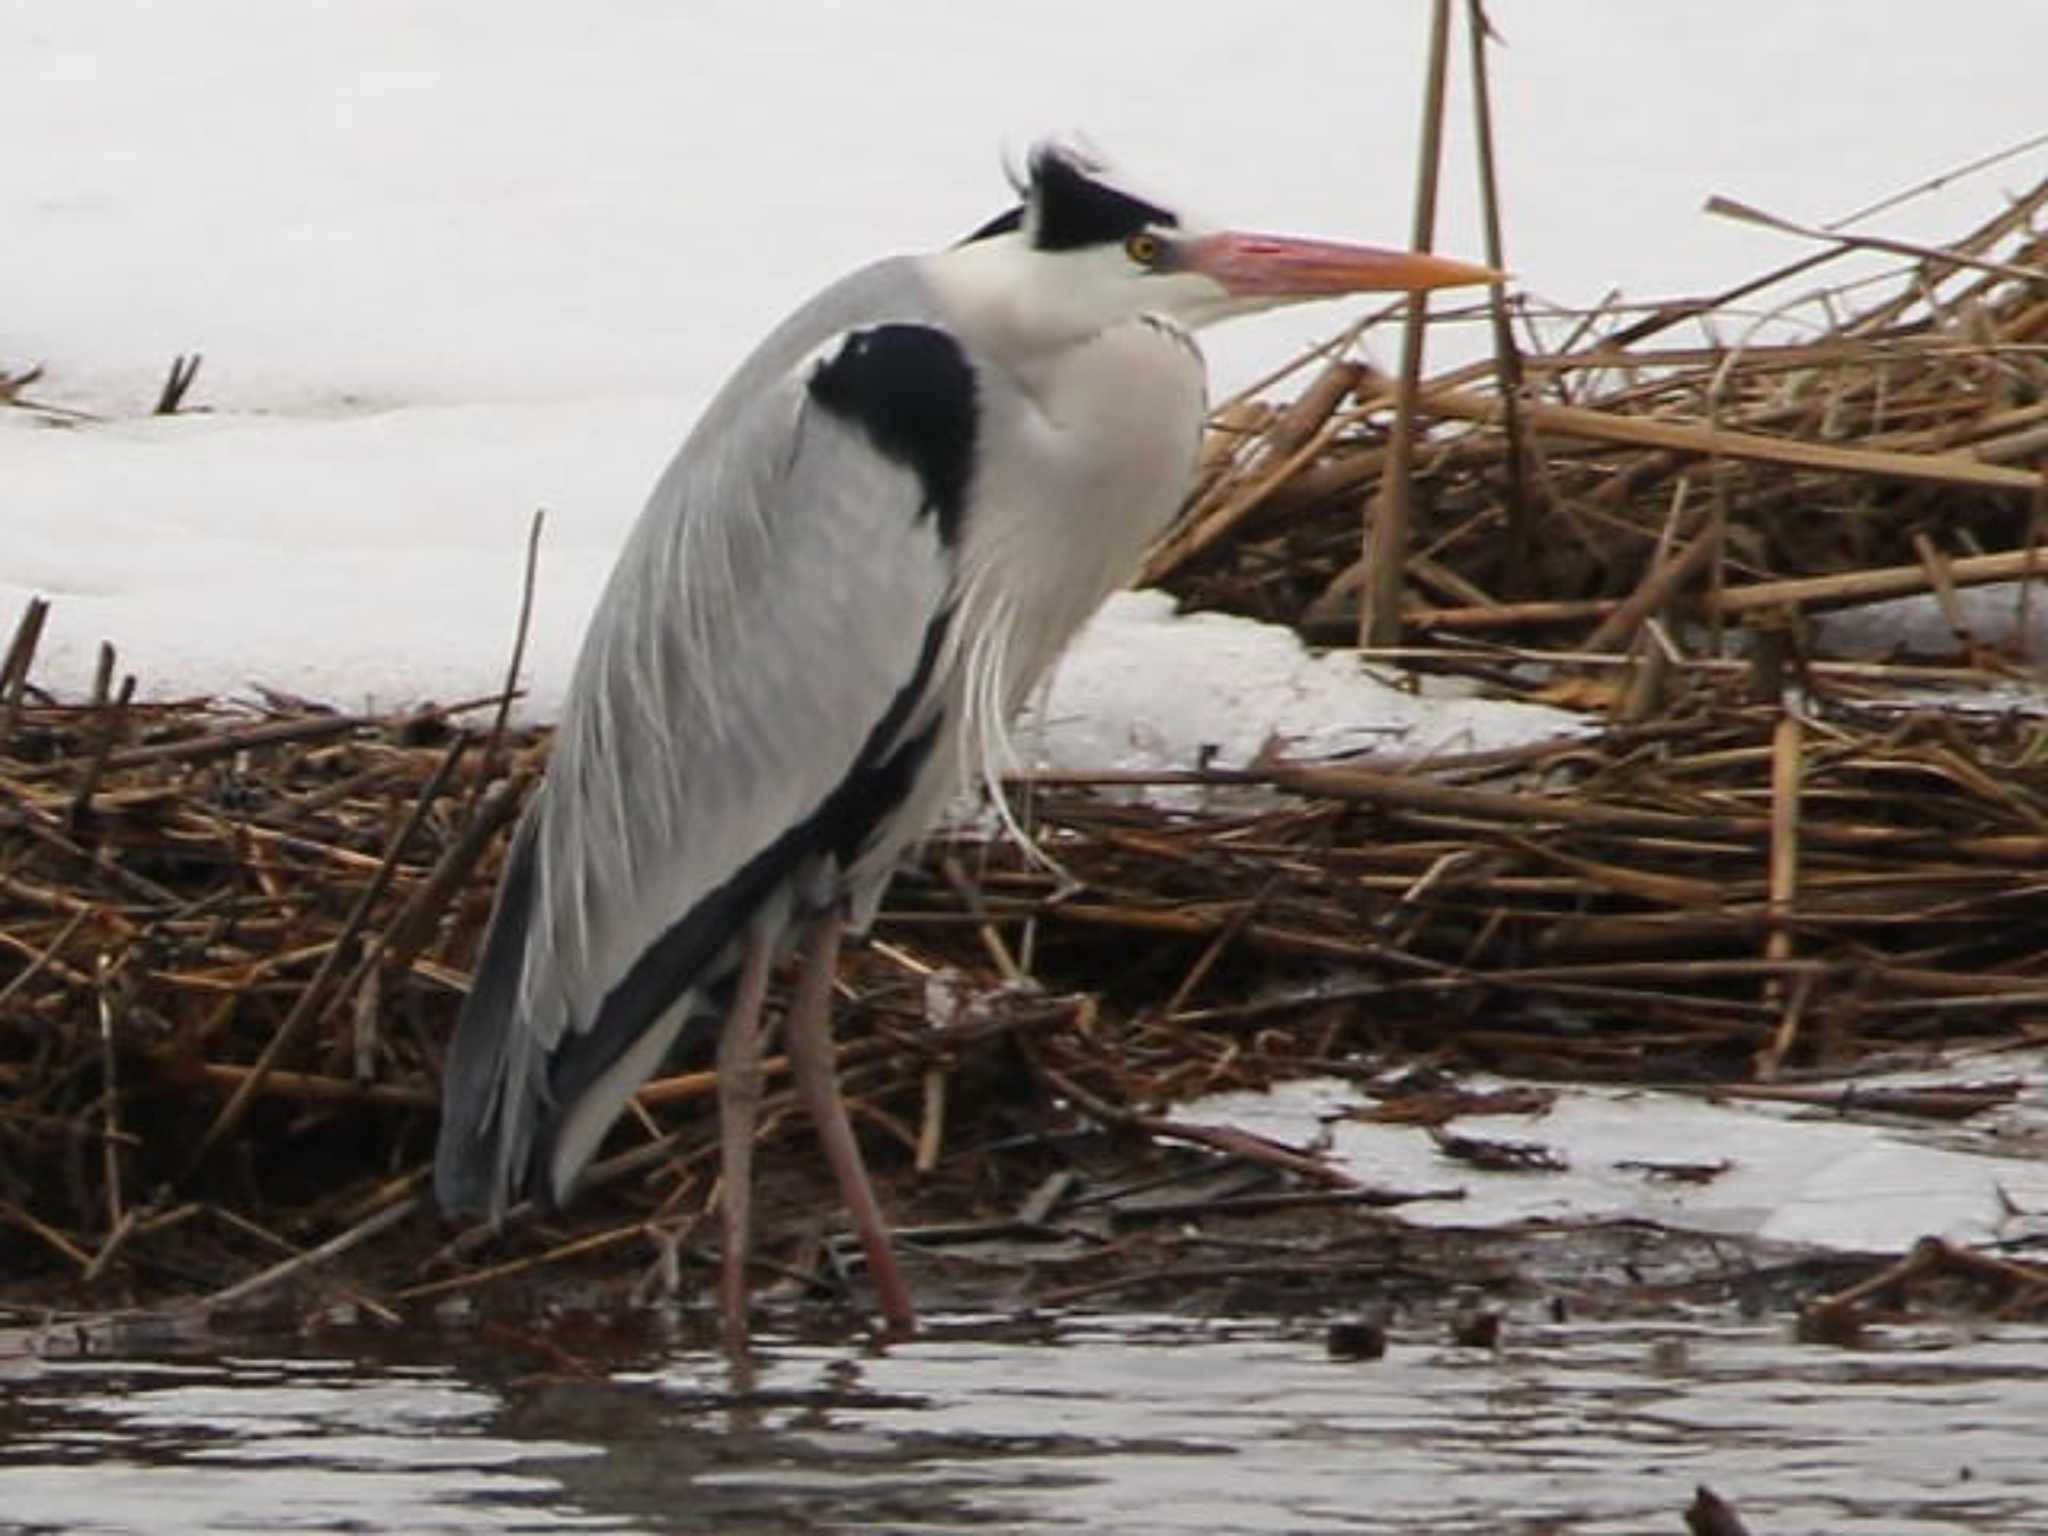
x: 1082, y: 250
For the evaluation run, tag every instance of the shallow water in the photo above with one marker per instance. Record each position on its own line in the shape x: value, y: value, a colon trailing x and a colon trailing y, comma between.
x: 1126, y: 1425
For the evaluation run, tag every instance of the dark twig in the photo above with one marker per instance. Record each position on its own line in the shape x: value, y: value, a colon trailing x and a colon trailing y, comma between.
x: 488, y: 769
x: 116, y: 717
x: 1221, y: 1138
x: 1507, y: 356
x: 177, y: 383
x: 28, y: 632
x: 300, y: 1263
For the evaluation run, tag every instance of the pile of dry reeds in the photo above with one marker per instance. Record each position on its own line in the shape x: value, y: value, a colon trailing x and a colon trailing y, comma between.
x: 1711, y: 895
x: 233, y: 947
x: 1623, y: 476
x: 232, y: 940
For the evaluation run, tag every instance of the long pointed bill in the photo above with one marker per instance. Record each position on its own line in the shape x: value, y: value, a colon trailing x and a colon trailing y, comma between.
x: 1278, y: 266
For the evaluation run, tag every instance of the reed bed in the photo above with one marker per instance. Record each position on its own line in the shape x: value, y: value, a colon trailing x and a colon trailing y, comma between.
x: 234, y: 946
x: 1751, y: 457
x: 233, y: 938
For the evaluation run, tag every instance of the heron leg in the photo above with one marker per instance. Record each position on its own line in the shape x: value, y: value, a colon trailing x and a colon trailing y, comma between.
x: 739, y: 1105
x: 807, y: 1033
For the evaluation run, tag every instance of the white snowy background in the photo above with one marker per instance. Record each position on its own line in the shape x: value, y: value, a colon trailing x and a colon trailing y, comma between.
x: 450, y: 261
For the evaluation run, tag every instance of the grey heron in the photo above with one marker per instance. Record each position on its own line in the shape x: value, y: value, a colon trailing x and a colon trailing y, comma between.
x: 871, y: 547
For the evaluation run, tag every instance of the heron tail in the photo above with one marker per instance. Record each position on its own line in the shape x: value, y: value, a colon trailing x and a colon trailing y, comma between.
x: 490, y: 1092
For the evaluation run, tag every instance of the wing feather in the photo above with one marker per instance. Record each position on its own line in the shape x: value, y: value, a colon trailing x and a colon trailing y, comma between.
x: 759, y: 684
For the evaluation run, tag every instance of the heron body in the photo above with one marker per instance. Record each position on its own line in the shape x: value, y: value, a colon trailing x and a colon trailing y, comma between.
x: 869, y: 550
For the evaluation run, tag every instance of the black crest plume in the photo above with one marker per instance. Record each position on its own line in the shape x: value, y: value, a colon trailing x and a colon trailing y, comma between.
x: 1068, y: 205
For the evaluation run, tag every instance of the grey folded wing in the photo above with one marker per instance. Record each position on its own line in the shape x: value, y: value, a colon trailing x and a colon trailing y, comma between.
x: 759, y: 693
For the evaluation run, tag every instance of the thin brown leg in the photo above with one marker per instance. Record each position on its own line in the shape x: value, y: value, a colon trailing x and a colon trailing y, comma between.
x: 808, y: 1036
x: 739, y: 1104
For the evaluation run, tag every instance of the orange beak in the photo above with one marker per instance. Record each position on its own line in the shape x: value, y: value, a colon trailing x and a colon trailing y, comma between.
x: 1279, y: 266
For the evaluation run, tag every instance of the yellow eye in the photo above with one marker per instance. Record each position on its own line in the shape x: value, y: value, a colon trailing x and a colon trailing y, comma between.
x: 1143, y: 249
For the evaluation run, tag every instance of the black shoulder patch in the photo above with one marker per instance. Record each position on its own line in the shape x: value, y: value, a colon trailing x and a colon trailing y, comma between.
x: 913, y: 391
x: 1074, y: 209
